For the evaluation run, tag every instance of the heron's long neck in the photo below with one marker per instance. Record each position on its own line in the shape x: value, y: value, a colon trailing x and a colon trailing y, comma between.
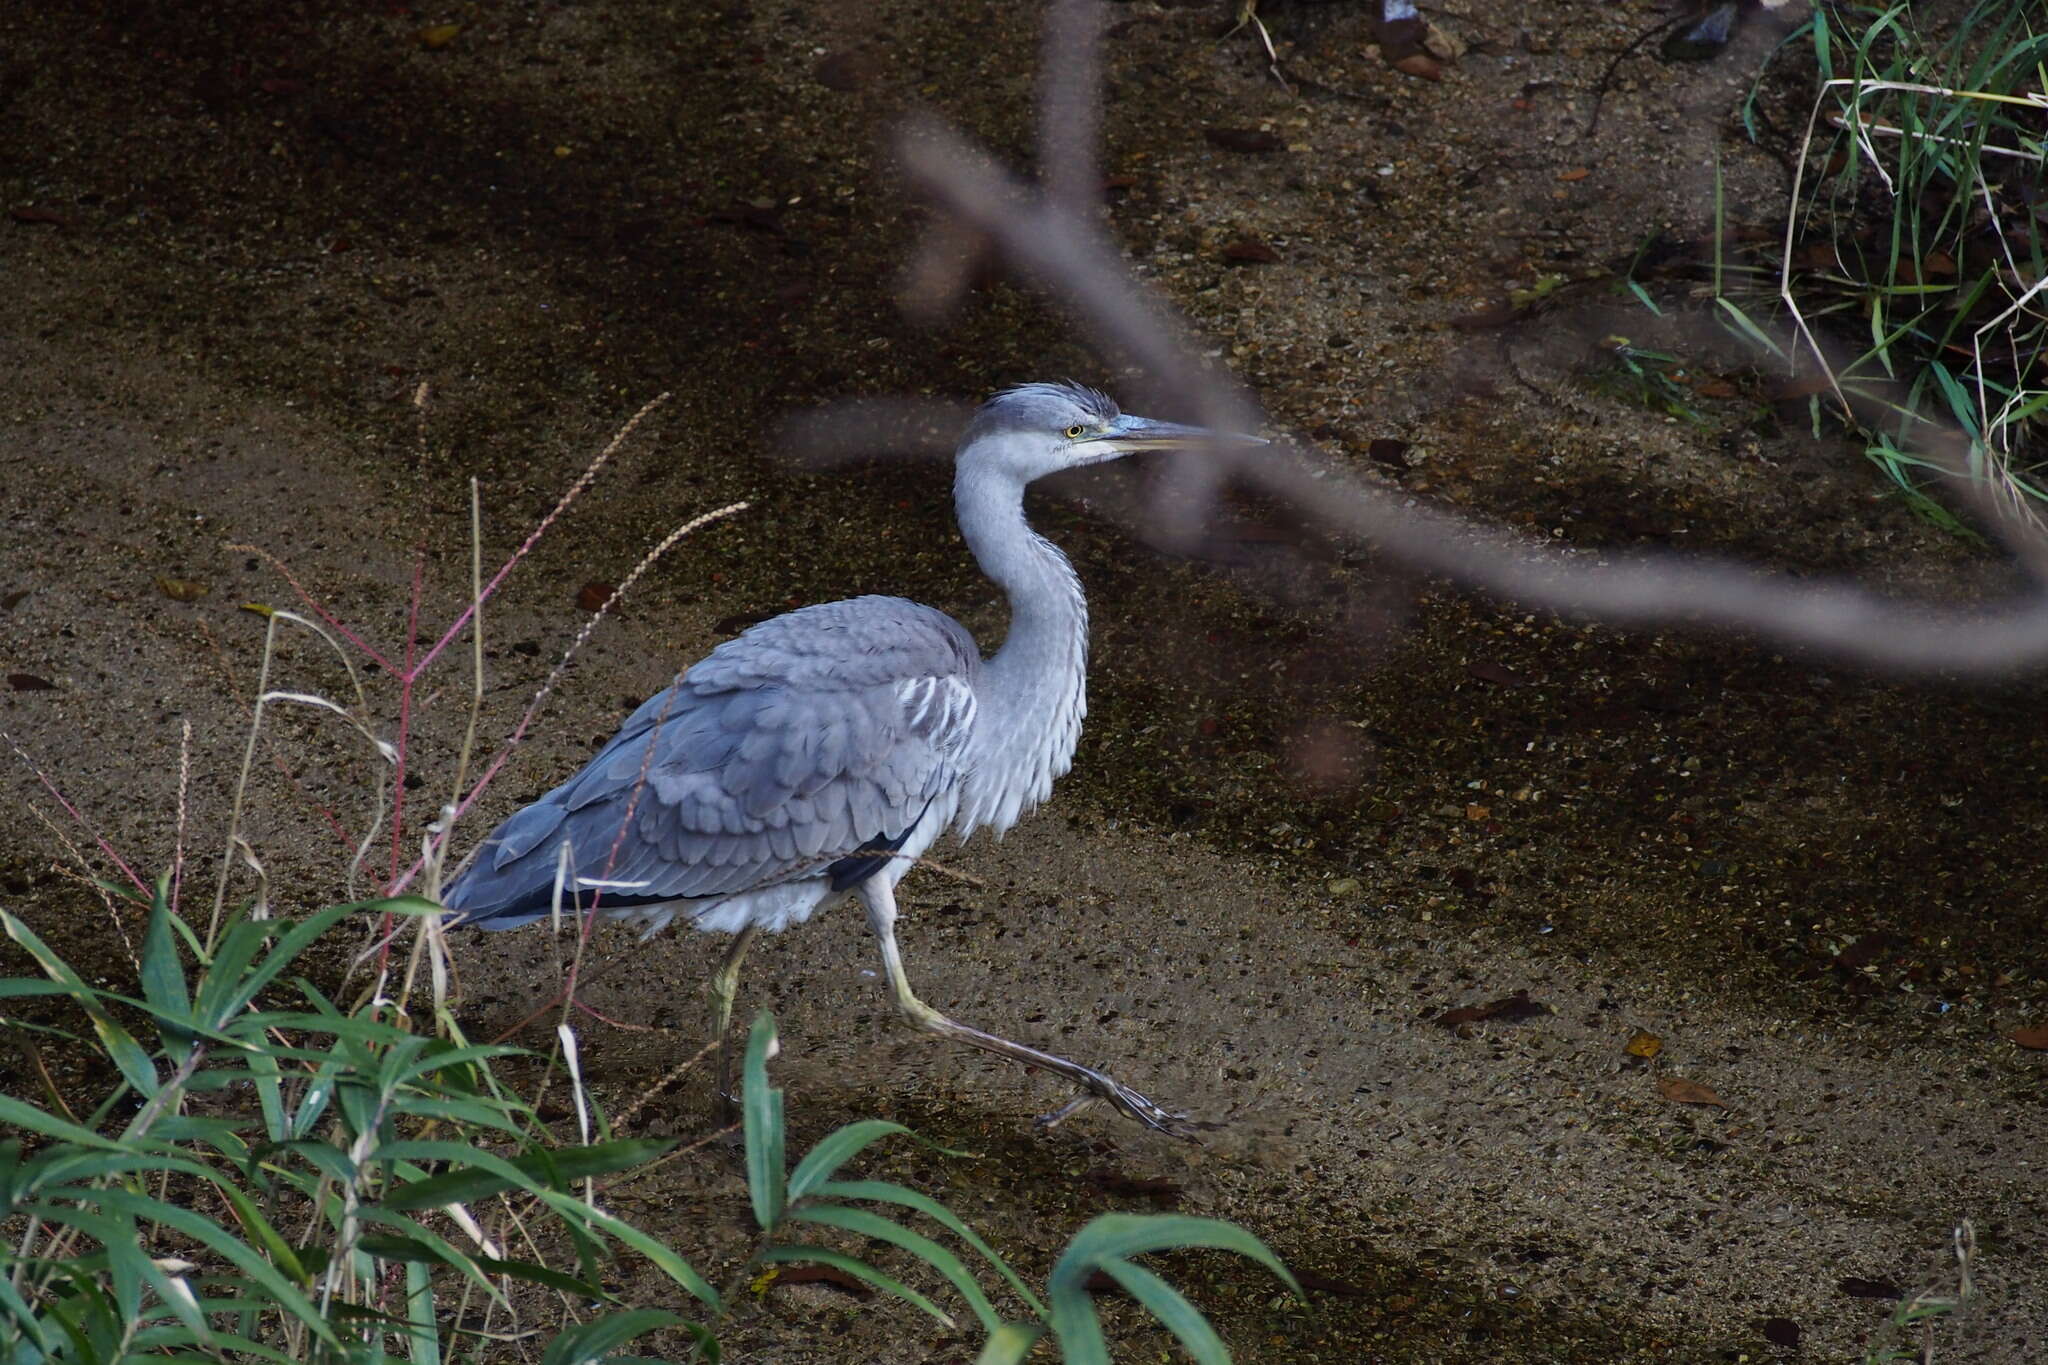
x: 1033, y: 693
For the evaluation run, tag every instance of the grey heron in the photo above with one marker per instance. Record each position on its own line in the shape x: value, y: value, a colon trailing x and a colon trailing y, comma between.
x: 820, y: 753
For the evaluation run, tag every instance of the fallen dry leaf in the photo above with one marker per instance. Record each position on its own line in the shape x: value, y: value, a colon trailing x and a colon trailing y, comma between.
x: 34, y: 215
x: 1817, y: 256
x: 1250, y: 141
x: 821, y: 1274
x: 10, y: 600
x: 183, y: 589
x: 1111, y: 1181
x: 29, y: 682
x: 1644, y: 1045
x: 1716, y: 388
x: 593, y: 596
x: 1493, y: 315
x: 438, y: 36
x: 1576, y: 173
x: 1802, y: 387
x: 2034, y: 1037
x: 1390, y: 452
x: 1477, y: 812
x: 1487, y: 671
x: 1323, y: 1284
x: 845, y: 70
x: 1679, y: 1090
x: 1508, y: 1009
x: 1422, y: 65
x: 1250, y: 251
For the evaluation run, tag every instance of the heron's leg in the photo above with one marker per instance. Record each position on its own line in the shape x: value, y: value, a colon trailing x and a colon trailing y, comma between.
x: 725, y: 984
x: 880, y: 899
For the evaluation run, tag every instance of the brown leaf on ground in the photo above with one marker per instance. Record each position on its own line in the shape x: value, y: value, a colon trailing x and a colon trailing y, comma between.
x: 34, y: 215
x: 821, y: 1274
x: 1576, y: 173
x: 1498, y: 314
x: 1645, y: 1045
x: 845, y: 71
x: 1420, y: 65
x: 1500, y: 675
x: 1803, y: 387
x: 1716, y: 388
x: 1100, y: 1282
x: 1866, y: 950
x: 1679, y: 1090
x: 438, y: 36
x: 183, y: 589
x: 29, y: 682
x: 592, y: 596
x: 1323, y: 1284
x: 2034, y: 1037
x: 10, y: 600
x: 1250, y: 251
x: 1111, y: 1181
x: 1250, y: 141
x: 1781, y: 1331
x: 1508, y: 1009
x: 1816, y: 256
x: 1390, y: 452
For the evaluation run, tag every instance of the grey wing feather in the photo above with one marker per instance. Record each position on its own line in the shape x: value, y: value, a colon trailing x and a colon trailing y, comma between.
x: 782, y: 750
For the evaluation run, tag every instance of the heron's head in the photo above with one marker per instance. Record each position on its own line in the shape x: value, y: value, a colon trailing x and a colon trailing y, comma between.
x: 1038, y: 429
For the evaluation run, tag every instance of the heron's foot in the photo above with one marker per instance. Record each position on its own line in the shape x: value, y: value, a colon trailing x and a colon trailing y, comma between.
x: 1092, y: 1086
x: 1090, y: 1083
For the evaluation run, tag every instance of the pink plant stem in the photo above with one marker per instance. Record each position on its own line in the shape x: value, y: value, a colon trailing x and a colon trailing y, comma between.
x: 72, y: 811
x: 313, y: 605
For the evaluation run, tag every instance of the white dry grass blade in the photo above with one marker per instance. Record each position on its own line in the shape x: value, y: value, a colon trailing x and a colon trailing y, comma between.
x: 573, y: 1059
x: 272, y: 618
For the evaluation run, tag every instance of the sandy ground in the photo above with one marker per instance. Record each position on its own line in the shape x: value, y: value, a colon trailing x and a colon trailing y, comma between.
x: 242, y: 238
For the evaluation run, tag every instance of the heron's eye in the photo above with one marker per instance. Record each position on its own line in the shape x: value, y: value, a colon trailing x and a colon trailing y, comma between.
x: 1074, y: 432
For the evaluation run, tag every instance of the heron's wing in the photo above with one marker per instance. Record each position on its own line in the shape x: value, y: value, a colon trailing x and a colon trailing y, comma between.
x: 780, y: 753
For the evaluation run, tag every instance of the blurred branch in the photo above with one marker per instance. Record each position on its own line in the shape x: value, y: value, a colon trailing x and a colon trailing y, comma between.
x: 1051, y: 240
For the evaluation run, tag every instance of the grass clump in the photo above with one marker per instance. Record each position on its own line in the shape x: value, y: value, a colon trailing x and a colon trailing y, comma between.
x: 1912, y: 263
x: 302, y: 1183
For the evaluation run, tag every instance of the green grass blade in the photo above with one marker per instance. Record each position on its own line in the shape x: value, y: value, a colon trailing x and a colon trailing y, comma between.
x: 593, y: 1341
x: 28, y: 1118
x: 258, y: 1228
x: 1117, y: 1236
x: 762, y: 1111
x: 129, y: 1056
x: 1076, y: 1325
x: 1749, y: 329
x: 865, y: 1224
x: 425, y: 1335
x: 1009, y: 1344
x: 195, y: 1225
x: 837, y: 1148
x: 884, y: 1192
x: 487, y: 1174
x: 1172, y: 1308
x: 163, y: 971
x: 664, y: 1259
x: 860, y: 1270
x: 24, y: 1322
